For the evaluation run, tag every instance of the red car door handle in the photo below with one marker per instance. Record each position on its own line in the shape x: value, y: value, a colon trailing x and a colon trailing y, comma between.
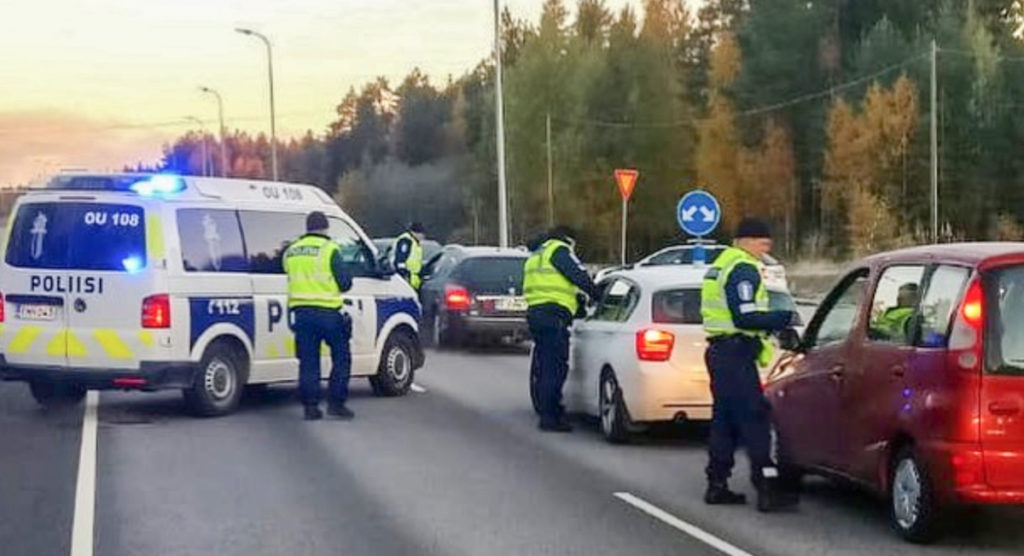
x: 836, y: 373
x: 1004, y: 408
x: 899, y: 371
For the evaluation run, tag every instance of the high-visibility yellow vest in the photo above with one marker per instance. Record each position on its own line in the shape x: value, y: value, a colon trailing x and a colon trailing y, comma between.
x: 311, y: 281
x: 714, y: 307
x: 543, y: 283
x: 894, y: 322
x: 414, y: 263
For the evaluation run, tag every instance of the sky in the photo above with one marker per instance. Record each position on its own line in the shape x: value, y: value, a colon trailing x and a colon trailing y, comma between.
x: 98, y: 84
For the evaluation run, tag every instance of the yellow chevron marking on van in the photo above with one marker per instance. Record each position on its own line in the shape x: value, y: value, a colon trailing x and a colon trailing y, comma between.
x: 272, y: 351
x: 146, y: 338
x: 75, y: 346
x: 154, y: 236
x: 58, y: 345
x: 22, y: 341
x: 112, y: 344
x: 289, y: 347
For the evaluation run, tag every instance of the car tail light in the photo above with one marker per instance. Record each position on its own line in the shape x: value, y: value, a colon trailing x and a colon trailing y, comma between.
x: 156, y: 311
x: 968, y: 468
x: 654, y: 345
x: 456, y: 298
x: 965, y: 341
x: 3, y: 313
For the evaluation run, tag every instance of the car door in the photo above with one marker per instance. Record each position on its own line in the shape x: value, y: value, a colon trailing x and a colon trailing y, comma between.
x: 873, y: 386
x: 806, y: 405
x: 597, y: 341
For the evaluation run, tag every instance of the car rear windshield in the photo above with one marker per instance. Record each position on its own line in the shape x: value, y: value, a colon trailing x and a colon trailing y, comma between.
x: 494, y: 275
x: 78, y: 236
x: 1005, y: 323
x: 682, y: 306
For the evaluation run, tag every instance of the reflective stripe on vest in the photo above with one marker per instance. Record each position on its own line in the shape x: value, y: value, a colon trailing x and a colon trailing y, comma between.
x: 414, y: 262
x: 311, y: 281
x: 543, y: 283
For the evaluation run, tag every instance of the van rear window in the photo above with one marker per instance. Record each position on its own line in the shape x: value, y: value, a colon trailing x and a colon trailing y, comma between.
x: 78, y: 236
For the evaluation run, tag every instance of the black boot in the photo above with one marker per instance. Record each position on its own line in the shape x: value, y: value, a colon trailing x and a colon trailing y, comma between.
x: 313, y: 413
x: 340, y: 411
x: 771, y: 497
x: 718, y: 494
x: 561, y: 425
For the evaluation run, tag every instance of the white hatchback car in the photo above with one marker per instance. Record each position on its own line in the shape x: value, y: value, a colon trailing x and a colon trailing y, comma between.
x: 638, y: 358
x: 683, y: 255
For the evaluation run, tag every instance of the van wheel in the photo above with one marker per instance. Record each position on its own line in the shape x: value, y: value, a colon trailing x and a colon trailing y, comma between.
x: 395, y: 372
x: 219, y: 384
x: 48, y: 393
x: 612, y: 409
x: 913, y: 512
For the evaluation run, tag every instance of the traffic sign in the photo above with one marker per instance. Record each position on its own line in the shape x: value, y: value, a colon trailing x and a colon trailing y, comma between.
x: 698, y: 213
x: 626, y: 178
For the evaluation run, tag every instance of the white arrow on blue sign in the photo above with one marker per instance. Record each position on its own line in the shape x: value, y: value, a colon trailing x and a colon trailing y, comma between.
x: 698, y: 213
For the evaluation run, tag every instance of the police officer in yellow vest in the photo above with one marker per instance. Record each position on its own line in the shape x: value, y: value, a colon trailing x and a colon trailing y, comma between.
x: 892, y: 324
x: 408, y: 254
x: 553, y: 280
x: 316, y: 282
x: 736, y: 317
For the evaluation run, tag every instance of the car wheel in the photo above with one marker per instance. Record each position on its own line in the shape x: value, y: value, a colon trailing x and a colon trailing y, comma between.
x: 913, y: 512
x: 612, y: 409
x: 48, y: 393
x: 396, y: 370
x: 534, y: 380
x: 442, y: 334
x: 220, y: 382
x: 429, y: 330
x: 791, y: 477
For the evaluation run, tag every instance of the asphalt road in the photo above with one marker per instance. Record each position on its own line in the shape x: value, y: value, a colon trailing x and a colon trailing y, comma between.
x: 457, y: 470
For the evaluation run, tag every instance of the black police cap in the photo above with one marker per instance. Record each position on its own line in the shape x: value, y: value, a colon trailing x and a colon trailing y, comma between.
x: 417, y: 227
x: 316, y: 221
x: 753, y: 228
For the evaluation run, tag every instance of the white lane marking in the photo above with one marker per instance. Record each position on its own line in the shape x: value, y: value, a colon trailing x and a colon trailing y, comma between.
x: 85, y: 489
x: 692, y: 530
x: 418, y: 389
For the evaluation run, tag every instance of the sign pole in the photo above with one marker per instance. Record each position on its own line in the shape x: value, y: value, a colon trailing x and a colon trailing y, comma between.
x: 625, y: 220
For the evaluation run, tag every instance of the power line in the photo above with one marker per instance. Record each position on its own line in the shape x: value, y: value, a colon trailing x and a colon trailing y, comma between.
x: 970, y: 54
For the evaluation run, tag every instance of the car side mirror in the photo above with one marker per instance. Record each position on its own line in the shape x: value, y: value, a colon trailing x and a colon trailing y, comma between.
x: 789, y: 340
x: 385, y: 267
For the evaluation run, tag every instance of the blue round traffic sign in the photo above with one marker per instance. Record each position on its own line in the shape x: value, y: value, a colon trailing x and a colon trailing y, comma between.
x: 698, y: 213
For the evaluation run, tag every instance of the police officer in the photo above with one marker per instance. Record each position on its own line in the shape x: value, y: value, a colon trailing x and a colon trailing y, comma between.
x: 552, y: 282
x: 734, y: 307
x: 316, y: 281
x: 893, y: 322
x: 408, y: 254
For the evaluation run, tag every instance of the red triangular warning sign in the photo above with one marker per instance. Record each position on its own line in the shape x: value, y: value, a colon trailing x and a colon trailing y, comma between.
x: 626, y: 178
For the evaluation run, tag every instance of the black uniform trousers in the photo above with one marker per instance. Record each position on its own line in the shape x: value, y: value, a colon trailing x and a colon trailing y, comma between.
x: 314, y: 326
x: 740, y: 414
x: 549, y: 326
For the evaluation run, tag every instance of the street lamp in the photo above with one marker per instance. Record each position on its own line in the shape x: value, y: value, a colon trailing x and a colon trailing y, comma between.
x: 220, y: 115
x: 199, y: 123
x: 270, y: 73
x: 499, y: 115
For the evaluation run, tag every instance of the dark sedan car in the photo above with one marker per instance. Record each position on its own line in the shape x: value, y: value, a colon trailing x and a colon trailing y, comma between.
x: 473, y: 294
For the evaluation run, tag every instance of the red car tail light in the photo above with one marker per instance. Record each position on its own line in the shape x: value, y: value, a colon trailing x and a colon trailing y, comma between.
x: 965, y: 341
x: 968, y: 468
x: 654, y: 345
x: 156, y: 311
x: 2, y: 311
x: 456, y: 298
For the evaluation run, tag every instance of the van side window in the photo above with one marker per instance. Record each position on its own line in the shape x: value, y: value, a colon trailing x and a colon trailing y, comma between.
x: 267, y: 235
x: 356, y: 255
x: 940, y: 300
x: 211, y: 241
x: 842, y: 307
x: 894, y: 304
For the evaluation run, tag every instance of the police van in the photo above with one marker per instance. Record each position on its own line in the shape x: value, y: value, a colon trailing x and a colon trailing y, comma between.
x: 150, y: 282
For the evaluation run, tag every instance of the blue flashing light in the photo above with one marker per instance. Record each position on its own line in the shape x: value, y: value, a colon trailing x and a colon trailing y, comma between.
x: 132, y: 264
x: 160, y: 184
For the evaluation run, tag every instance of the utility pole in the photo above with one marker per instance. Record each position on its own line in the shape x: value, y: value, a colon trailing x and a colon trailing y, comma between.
x: 551, y: 180
x: 270, y: 78
x: 935, y: 144
x: 220, y: 116
x: 204, y: 150
x: 499, y: 115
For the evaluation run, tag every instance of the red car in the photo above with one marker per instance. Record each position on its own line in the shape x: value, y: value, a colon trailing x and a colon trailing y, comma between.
x: 910, y: 381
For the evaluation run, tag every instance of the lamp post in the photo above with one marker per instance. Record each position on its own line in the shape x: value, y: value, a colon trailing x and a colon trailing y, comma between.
x: 220, y: 116
x: 270, y: 75
x: 205, y: 155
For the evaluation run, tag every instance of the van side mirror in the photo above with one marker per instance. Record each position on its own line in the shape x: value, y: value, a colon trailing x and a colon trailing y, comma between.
x: 385, y: 267
x: 789, y: 340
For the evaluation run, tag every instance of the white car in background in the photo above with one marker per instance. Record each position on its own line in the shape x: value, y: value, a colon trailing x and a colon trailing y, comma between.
x: 682, y: 255
x: 638, y: 358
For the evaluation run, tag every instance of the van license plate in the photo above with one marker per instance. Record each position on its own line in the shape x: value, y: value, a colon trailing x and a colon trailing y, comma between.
x: 37, y: 312
x: 517, y: 304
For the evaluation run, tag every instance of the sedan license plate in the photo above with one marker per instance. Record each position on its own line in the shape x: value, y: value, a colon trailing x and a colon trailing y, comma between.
x: 516, y: 304
x: 37, y: 312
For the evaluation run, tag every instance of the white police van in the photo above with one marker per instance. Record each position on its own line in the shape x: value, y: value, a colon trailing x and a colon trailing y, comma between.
x: 149, y: 282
